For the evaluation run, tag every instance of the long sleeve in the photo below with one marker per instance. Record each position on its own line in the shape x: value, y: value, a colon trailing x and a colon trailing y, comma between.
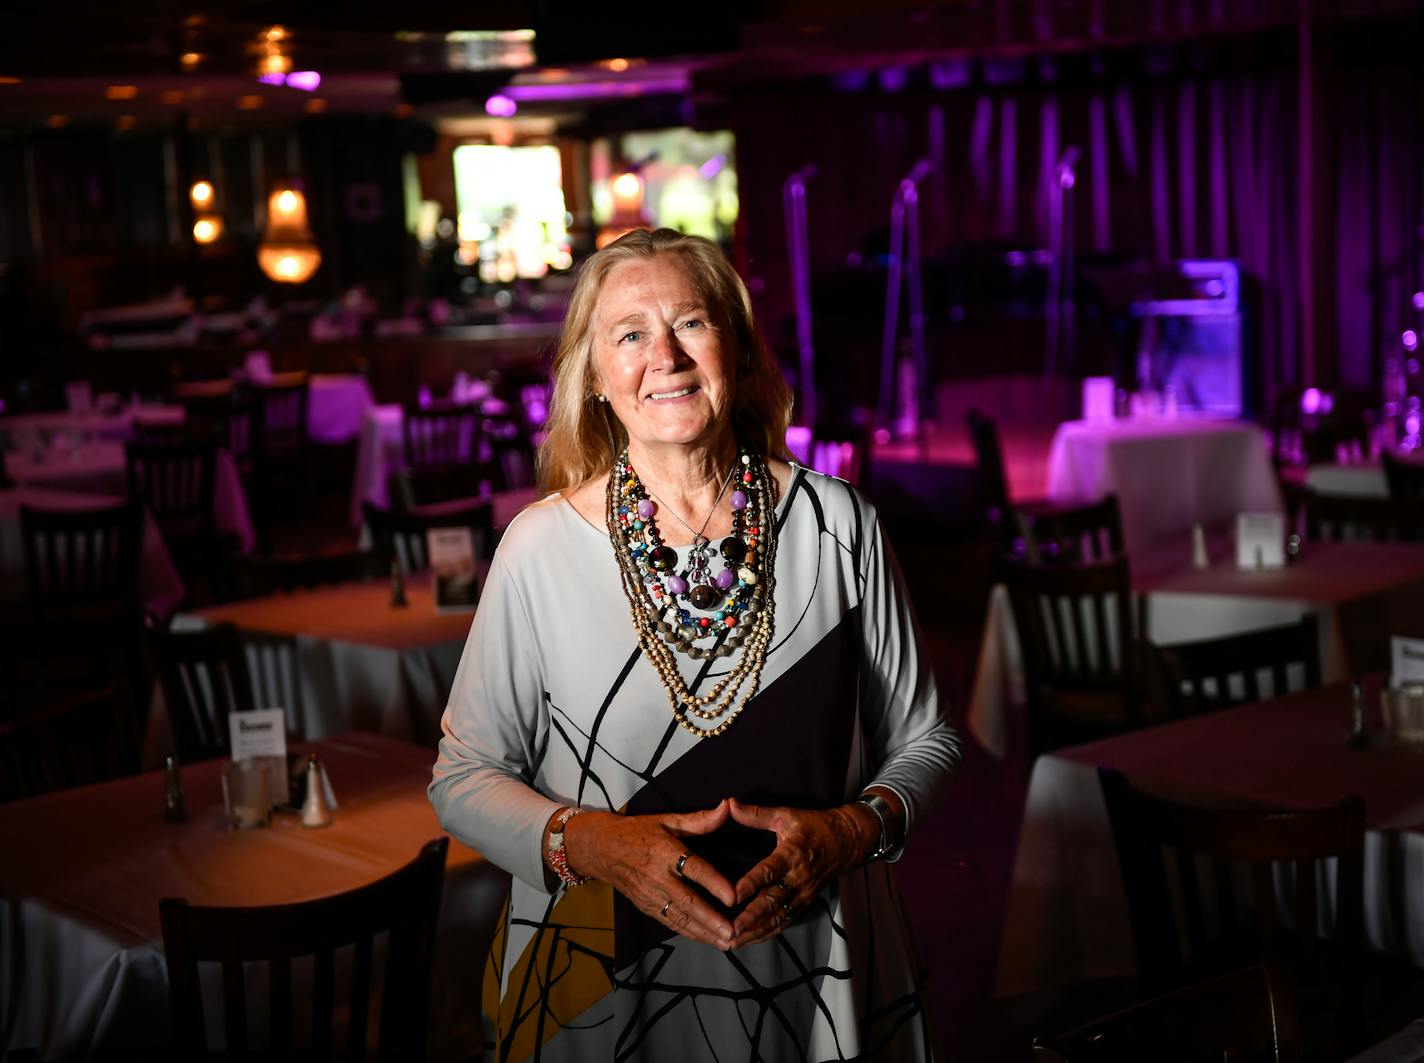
x: 914, y: 750
x: 494, y: 732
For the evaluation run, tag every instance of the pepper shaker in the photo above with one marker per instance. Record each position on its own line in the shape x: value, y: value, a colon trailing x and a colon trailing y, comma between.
x: 174, y: 811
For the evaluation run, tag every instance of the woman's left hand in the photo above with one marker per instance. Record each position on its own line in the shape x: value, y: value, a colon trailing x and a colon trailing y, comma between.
x: 811, y: 848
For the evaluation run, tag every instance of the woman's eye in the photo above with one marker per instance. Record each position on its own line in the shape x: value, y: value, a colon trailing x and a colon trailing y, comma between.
x: 692, y: 323
x: 630, y: 337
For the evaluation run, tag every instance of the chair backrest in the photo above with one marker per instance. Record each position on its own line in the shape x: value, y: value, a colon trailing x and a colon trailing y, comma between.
x: 273, y: 575
x: 993, y: 482
x: 440, y: 435
x: 279, y: 417
x: 82, y: 564
x: 1091, y: 532
x: 86, y: 738
x: 175, y: 480
x: 1183, y: 869
x: 1218, y: 673
x: 340, y: 930
x: 1080, y: 644
x: 402, y: 532
x: 1246, y: 1016
x: 1405, y: 478
x: 224, y: 412
x: 1344, y: 517
x: 204, y: 677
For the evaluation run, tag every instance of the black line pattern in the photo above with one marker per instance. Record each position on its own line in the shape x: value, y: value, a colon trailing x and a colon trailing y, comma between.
x: 584, y: 976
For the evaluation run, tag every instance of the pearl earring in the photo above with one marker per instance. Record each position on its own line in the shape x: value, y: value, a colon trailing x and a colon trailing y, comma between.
x: 601, y: 397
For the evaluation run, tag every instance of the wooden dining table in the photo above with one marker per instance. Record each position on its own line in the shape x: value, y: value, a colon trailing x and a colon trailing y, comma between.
x: 1066, y: 918
x: 82, y: 972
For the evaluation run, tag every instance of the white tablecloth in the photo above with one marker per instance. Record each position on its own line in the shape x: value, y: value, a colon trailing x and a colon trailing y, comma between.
x: 1067, y: 917
x: 100, y: 468
x: 30, y: 431
x: 81, y: 956
x: 1167, y: 474
x: 159, y: 586
x: 1359, y: 591
x: 336, y: 405
x: 1361, y: 481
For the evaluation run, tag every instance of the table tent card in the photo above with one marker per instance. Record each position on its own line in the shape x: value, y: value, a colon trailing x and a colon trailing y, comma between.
x: 1407, y: 661
x: 452, y: 564
x: 1260, y: 540
x: 262, y: 733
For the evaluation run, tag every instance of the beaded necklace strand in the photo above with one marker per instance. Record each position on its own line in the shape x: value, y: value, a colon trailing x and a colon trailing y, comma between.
x: 739, y: 597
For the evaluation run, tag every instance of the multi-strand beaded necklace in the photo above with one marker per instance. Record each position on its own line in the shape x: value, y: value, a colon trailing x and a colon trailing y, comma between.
x: 675, y: 607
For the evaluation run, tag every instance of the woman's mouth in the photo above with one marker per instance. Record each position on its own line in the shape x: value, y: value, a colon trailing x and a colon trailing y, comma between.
x: 664, y: 396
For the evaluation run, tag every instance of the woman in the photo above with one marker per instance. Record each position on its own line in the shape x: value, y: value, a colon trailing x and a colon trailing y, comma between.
x: 691, y: 718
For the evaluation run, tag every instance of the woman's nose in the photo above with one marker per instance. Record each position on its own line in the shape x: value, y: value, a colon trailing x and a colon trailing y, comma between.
x: 667, y: 353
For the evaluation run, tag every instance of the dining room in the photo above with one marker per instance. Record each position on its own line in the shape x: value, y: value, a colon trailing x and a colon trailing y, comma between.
x: 1108, y: 314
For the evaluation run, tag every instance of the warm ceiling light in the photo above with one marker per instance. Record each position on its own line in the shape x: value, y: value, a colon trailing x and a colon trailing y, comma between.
x: 201, y: 193
x: 275, y: 64
x: 287, y: 202
x: 627, y: 186
x: 288, y: 253
x: 618, y: 65
x: 276, y: 33
x: 121, y: 92
x: 249, y: 103
x: 207, y: 230
x: 190, y: 60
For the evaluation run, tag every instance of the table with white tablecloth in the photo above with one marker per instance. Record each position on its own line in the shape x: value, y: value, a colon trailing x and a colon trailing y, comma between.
x: 82, y: 972
x: 1067, y: 917
x: 1167, y: 474
x: 1361, y: 593
x: 101, y: 468
x: 160, y: 589
x: 38, y: 431
x: 336, y: 406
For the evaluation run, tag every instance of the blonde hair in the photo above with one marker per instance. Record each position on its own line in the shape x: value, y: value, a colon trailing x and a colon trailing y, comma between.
x: 583, y: 435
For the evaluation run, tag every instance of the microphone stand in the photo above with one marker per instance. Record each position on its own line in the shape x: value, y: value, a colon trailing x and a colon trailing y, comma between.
x: 904, y: 266
x: 1060, y: 309
x: 793, y: 203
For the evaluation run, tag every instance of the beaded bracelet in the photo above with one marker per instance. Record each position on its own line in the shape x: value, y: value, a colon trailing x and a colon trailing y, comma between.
x: 559, y: 854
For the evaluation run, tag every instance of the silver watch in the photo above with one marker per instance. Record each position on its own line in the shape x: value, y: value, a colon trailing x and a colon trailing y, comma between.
x: 881, y: 808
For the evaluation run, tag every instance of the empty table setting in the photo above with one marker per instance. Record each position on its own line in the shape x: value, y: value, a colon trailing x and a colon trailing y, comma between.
x: 1168, y: 473
x: 1361, y: 593
x: 82, y: 964
x: 1067, y: 918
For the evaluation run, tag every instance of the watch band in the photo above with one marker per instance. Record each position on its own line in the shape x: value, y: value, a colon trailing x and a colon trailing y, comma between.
x: 558, y: 853
x: 881, y: 808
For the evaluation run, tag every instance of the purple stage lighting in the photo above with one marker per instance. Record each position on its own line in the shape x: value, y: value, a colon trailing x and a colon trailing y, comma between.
x: 306, y: 80
x: 500, y: 106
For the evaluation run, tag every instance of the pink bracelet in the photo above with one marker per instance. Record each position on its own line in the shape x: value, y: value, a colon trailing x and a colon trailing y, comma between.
x: 559, y: 854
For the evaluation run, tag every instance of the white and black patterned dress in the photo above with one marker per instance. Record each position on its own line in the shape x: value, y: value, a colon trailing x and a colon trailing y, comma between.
x: 554, y: 705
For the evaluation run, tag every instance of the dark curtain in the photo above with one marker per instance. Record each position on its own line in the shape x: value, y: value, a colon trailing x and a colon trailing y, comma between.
x: 1184, y: 153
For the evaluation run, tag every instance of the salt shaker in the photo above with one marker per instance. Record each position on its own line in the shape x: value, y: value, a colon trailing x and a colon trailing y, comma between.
x: 1358, y: 737
x: 174, y: 810
x: 397, y: 585
x: 315, y: 812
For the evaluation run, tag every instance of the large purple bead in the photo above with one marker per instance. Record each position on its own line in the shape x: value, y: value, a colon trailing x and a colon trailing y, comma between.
x: 739, y: 499
x: 726, y: 578
x: 646, y: 507
x: 677, y: 585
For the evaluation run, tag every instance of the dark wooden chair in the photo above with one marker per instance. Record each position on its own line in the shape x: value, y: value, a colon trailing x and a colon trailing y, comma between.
x: 1091, y: 532
x: 276, y: 575
x: 1345, y: 517
x: 994, y: 502
x: 510, y: 439
x: 1405, y: 478
x: 402, y: 532
x: 204, y: 677
x: 84, y: 738
x: 174, y: 479
x: 403, y: 907
x: 1183, y: 868
x: 1218, y: 673
x: 1078, y: 629
x: 441, y: 435
x: 81, y: 568
x: 222, y: 411
x: 1246, y: 1016
x: 278, y: 451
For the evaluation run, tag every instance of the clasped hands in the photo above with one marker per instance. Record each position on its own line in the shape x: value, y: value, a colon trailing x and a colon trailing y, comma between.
x: 647, y: 859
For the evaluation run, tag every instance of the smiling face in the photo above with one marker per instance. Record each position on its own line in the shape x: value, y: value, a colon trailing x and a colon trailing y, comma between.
x: 663, y: 357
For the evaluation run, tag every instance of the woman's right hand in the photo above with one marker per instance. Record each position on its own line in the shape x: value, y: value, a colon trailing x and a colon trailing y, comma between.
x: 638, y: 855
